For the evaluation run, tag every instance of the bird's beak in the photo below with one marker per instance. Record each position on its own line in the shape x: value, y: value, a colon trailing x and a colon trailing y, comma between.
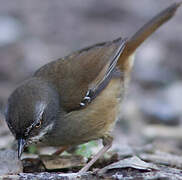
x: 21, y: 146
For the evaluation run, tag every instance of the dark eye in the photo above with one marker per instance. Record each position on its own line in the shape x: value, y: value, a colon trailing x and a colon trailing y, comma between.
x: 38, y: 124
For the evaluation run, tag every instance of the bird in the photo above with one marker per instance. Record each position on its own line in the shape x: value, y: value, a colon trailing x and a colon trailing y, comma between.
x: 78, y: 98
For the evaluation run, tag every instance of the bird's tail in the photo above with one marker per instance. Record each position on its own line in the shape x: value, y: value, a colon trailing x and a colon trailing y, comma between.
x: 140, y: 36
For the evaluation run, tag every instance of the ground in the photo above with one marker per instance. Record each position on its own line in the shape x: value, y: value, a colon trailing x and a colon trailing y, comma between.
x: 33, y: 33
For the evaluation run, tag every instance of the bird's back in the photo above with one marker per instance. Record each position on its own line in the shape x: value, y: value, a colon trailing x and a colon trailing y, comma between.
x: 84, y: 70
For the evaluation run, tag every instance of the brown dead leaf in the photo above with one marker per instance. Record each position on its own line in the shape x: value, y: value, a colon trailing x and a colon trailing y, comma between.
x: 61, y: 162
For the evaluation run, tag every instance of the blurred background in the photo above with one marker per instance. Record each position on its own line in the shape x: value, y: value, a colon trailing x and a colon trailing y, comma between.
x: 34, y: 32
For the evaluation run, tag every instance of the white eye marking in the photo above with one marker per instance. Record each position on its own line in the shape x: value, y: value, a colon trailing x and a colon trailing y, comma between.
x: 41, y: 133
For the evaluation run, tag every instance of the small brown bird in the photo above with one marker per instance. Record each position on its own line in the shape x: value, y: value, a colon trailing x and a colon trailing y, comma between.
x: 77, y: 98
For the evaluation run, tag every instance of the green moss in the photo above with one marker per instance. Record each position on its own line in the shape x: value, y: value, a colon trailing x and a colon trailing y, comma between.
x: 85, y: 150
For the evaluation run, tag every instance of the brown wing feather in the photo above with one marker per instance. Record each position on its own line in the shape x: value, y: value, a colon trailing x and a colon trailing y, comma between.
x: 81, y: 71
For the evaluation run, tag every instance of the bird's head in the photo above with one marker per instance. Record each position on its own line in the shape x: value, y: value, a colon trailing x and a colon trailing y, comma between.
x: 32, y: 111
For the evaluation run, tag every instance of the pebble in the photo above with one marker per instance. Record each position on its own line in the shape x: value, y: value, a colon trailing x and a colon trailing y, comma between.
x: 10, y: 30
x: 159, y: 111
x: 9, y: 162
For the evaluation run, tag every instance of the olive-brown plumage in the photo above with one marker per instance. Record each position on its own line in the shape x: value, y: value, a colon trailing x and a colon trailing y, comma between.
x: 77, y: 98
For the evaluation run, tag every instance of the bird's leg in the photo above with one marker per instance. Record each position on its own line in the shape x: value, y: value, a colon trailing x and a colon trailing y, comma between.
x: 60, y: 150
x: 107, y: 142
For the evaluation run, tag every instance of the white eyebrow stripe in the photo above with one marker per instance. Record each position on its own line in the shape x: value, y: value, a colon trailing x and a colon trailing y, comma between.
x: 39, y: 109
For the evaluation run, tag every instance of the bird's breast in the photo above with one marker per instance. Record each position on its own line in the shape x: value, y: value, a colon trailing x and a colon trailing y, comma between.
x: 94, y: 121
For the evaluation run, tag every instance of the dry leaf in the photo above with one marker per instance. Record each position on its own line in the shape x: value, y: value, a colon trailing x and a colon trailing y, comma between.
x: 133, y: 162
x: 61, y: 162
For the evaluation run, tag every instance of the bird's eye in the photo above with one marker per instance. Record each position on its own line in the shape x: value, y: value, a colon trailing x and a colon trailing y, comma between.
x: 38, y: 124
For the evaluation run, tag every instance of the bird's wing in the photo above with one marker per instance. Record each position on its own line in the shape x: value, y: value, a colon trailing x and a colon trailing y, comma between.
x: 98, y: 84
x: 81, y: 76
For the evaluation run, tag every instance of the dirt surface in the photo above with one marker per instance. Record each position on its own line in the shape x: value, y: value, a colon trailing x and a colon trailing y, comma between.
x: 33, y: 33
